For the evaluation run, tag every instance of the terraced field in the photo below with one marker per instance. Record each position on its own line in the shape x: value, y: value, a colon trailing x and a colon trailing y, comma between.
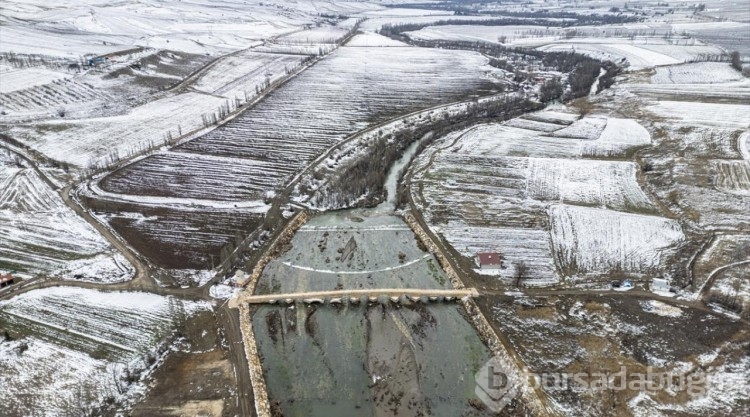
x: 50, y: 97
x: 178, y: 238
x: 505, y: 187
x: 76, y: 345
x: 261, y: 150
x: 40, y: 235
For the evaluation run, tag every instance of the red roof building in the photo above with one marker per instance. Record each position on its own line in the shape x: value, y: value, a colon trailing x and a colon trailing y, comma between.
x: 489, y: 260
x: 6, y: 280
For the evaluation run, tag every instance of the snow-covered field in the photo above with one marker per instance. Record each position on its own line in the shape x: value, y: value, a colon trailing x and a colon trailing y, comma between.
x: 265, y: 147
x: 319, y: 35
x: 592, y: 240
x: 705, y: 114
x: 73, y: 29
x: 733, y: 176
x: 512, y: 35
x: 234, y: 75
x: 696, y: 73
x: 83, y: 141
x: 639, y: 55
x: 77, y: 343
x: 85, y: 115
x: 493, y: 188
x: 40, y: 235
x: 110, y: 324
x: 592, y: 136
x: 44, y: 379
x: 586, y: 182
x: 589, y: 128
x: 370, y: 39
x: 22, y: 79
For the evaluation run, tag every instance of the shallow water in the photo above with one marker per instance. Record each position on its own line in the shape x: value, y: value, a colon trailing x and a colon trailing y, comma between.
x: 364, y: 360
x: 376, y: 360
x: 391, y: 181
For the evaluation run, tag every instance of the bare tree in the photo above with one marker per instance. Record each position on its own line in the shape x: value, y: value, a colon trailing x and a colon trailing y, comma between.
x: 521, y: 270
x: 736, y: 60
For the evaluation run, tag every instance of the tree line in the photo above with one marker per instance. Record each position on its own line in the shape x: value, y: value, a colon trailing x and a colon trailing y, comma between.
x: 582, y: 70
x: 361, y: 183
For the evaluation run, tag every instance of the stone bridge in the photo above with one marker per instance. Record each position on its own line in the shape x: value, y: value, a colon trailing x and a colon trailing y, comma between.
x: 394, y: 295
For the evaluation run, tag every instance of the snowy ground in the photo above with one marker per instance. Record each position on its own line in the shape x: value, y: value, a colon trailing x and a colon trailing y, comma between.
x: 505, y: 188
x: 639, y: 54
x: 73, y: 345
x: 265, y: 147
x: 592, y: 240
x: 592, y: 335
x: 696, y: 73
x: 39, y: 234
x: 86, y: 116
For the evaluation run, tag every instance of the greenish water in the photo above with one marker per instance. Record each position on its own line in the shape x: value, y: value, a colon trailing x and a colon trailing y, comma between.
x: 364, y: 360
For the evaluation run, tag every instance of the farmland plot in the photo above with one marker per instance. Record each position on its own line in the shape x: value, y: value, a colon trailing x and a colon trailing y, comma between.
x: 733, y: 176
x: 640, y: 53
x: 732, y: 36
x: 696, y: 73
x: 50, y: 97
x: 318, y: 35
x: 707, y: 183
x: 704, y: 114
x: 610, y: 184
x: 238, y: 178
x: 46, y: 378
x: 130, y: 79
x: 637, y: 57
x: 178, y: 238
x: 27, y: 78
x: 512, y: 35
x: 265, y: 147
x: 78, y: 338
x: 619, y: 136
x: 40, y: 235
x: 97, y: 322
x: 370, y: 39
x: 84, y: 142
x: 587, y: 240
x: 490, y: 188
x: 589, y: 128
x: 582, y: 138
x: 234, y: 75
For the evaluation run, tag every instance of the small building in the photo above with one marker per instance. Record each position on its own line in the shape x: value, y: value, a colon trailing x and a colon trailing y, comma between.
x: 660, y: 285
x: 489, y: 260
x: 6, y: 279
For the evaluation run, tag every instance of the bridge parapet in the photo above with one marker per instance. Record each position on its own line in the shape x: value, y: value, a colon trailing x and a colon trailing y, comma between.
x: 392, y: 295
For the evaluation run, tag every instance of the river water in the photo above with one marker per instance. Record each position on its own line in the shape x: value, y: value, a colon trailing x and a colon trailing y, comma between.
x: 365, y: 359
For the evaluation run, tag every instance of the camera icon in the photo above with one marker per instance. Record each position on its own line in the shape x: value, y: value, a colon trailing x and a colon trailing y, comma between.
x: 494, y: 388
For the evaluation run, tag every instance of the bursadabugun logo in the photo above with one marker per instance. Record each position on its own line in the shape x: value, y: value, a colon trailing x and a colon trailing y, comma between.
x: 493, y: 386
x: 496, y: 390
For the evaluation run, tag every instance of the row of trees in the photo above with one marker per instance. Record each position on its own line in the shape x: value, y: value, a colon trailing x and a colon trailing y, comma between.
x: 362, y: 181
x: 547, y: 17
x: 582, y: 70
